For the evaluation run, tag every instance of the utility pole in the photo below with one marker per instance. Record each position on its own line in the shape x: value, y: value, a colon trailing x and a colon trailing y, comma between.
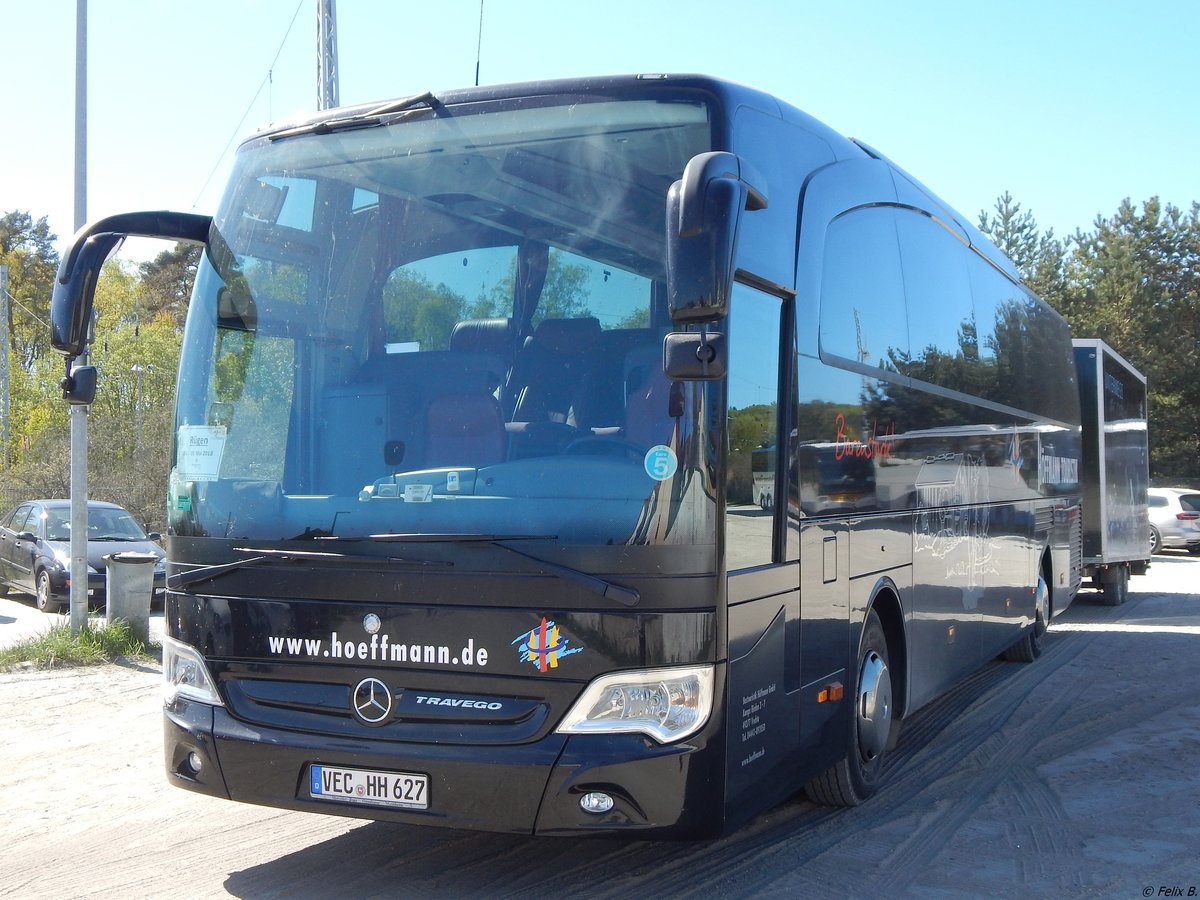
x: 4, y: 360
x: 327, y: 67
x: 79, y: 413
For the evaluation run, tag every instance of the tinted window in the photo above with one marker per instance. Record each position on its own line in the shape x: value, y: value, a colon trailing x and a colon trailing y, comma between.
x: 862, y: 290
x: 28, y: 521
x: 941, y: 319
x: 750, y: 486
x: 16, y: 517
x: 1024, y: 346
x: 58, y: 524
x: 903, y: 293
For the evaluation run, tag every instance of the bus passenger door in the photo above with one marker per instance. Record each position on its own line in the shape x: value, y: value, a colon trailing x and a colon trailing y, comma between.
x: 763, y: 582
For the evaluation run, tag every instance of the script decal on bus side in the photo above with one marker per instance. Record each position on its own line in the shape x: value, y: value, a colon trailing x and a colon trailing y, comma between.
x: 876, y: 446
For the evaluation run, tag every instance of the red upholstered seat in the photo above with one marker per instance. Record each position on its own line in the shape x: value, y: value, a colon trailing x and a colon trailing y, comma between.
x: 464, y: 429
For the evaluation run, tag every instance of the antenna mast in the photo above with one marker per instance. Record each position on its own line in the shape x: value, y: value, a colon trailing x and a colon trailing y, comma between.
x: 479, y: 43
x: 327, y: 67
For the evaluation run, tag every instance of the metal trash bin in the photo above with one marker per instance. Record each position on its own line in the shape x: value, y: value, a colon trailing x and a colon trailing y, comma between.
x: 129, y: 581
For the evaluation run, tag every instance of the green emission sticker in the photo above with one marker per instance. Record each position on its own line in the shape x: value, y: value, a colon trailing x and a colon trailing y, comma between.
x: 183, y: 503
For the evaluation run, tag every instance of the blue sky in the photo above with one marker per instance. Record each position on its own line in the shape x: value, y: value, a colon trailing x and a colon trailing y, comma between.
x: 1070, y: 106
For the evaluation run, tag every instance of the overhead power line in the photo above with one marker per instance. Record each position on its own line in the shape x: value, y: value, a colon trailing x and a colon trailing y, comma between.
x: 17, y: 303
x: 268, y: 79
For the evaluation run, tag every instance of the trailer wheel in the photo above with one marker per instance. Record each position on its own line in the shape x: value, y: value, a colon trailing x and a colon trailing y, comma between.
x: 856, y: 777
x: 1029, y: 646
x: 1116, y: 592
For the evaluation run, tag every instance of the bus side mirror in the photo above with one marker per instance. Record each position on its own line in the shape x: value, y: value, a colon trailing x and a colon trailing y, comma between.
x: 704, y: 211
x: 694, y: 356
x: 75, y: 284
x: 79, y: 386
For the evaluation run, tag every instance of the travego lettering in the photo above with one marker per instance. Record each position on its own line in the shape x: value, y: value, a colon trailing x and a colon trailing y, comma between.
x: 459, y: 701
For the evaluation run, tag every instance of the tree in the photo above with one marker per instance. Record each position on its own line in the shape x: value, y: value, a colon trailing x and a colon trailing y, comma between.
x: 1039, y: 258
x: 1134, y: 281
x: 167, y: 281
x: 130, y: 422
x: 27, y: 248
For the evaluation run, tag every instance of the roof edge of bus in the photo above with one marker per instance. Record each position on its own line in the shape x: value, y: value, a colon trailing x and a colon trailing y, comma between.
x: 581, y: 84
x: 977, y: 238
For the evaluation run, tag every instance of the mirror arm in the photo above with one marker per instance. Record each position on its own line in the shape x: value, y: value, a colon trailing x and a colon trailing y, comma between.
x: 699, y: 172
x: 75, y: 283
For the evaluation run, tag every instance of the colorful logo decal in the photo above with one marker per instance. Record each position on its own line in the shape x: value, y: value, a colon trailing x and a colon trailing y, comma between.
x: 543, y: 646
x: 661, y: 462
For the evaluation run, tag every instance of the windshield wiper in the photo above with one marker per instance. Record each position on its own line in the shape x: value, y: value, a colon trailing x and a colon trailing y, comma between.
x: 455, y: 538
x: 207, y: 573
x: 626, y: 596
x: 381, y: 115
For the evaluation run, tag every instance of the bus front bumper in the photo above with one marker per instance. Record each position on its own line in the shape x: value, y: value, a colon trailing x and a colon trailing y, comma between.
x: 673, y: 791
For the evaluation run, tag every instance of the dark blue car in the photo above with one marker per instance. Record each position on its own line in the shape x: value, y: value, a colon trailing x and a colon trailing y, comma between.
x: 35, y: 550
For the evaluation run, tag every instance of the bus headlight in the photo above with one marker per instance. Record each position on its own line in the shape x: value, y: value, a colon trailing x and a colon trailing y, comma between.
x: 665, y: 704
x: 186, y: 675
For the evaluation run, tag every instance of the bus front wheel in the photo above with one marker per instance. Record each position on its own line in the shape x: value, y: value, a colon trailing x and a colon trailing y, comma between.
x: 855, y: 778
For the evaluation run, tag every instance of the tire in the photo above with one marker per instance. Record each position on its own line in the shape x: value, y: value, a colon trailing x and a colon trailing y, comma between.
x: 1194, y: 550
x: 1155, y: 540
x: 857, y: 776
x: 46, y: 600
x: 1114, y: 593
x: 1029, y: 646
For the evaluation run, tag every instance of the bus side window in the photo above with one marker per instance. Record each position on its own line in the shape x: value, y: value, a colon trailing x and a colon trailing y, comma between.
x: 753, y: 404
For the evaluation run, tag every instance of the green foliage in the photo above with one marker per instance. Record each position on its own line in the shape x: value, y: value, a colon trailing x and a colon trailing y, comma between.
x: 27, y: 249
x: 1133, y: 280
x: 1040, y: 258
x: 60, y: 647
x: 139, y: 314
x: 167, y: 281
x: 417, y: 310
x: 750, y: 429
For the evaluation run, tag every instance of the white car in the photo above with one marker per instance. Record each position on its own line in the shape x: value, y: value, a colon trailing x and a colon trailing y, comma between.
x: 1174, y: 519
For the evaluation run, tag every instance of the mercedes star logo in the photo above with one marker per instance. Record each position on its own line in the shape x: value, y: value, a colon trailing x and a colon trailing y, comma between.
x: 372, y: 701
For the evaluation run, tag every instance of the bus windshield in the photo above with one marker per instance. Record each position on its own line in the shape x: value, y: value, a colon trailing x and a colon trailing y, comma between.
x: 448, y: 323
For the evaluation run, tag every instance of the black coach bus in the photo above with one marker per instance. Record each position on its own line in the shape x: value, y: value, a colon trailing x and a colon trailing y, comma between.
x: 463, y: 519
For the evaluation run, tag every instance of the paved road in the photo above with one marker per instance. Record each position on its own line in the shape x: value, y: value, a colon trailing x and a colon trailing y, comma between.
x: 1078, y: 775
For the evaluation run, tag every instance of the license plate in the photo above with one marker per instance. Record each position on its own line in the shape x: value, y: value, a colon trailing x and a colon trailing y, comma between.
x: 406, y: 790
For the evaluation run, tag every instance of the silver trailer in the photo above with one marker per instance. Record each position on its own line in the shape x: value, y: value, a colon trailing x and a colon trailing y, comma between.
x: 1115, y: 472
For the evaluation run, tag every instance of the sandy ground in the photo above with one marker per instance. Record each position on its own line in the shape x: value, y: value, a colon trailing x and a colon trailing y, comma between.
x: 1077, y: 776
